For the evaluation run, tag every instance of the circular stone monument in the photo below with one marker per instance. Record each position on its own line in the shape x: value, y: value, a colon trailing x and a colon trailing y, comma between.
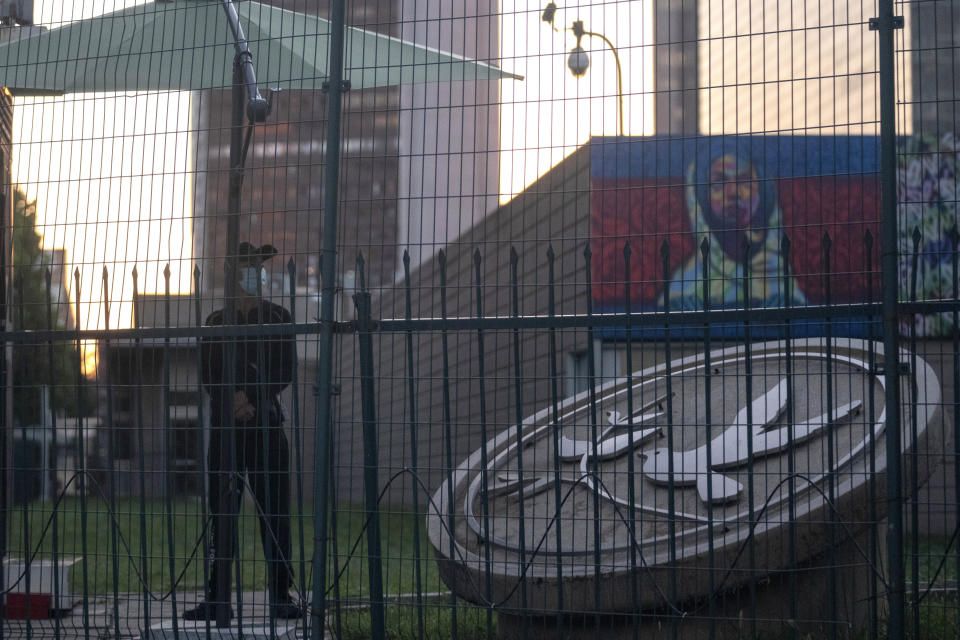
x: 697, y: 467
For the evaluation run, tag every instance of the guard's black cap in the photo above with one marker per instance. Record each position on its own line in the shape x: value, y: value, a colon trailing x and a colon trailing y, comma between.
x: 251, y: 255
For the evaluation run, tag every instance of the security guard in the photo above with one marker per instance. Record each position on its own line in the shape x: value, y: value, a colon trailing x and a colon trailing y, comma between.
x: 264, y: 368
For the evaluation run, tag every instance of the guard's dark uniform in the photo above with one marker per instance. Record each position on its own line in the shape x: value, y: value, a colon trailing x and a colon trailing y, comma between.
x: 264, y: 367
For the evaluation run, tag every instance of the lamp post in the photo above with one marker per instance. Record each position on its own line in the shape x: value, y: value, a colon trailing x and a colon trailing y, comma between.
x: 578, y: 62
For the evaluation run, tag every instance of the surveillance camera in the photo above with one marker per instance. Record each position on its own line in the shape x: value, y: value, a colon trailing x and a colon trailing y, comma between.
x: 578, y: 61
x: 549, y: 12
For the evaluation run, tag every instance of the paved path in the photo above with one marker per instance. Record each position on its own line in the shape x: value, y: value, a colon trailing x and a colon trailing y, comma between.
x: 133, y: 622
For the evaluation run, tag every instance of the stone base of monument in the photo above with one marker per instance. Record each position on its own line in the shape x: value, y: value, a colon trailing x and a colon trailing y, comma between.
x: 731, y: 615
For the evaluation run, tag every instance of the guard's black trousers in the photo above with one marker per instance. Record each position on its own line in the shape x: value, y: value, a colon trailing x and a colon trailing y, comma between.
x: 261, y: 454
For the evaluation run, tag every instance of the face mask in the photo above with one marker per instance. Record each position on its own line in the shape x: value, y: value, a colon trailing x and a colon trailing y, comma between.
x: 252, y: 279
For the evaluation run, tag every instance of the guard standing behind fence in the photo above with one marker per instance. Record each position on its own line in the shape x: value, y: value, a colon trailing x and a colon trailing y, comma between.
x: 264, y: 368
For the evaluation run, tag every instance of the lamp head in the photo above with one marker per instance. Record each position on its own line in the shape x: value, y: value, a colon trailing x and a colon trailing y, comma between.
x: 578, y: 61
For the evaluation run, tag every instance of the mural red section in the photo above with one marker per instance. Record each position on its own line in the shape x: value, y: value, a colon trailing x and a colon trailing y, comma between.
x: 846, y: 209
x: 646, y: 212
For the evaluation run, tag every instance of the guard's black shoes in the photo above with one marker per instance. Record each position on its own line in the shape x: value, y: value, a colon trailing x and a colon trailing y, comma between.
x: 287, y: 609
x: 203, y: 611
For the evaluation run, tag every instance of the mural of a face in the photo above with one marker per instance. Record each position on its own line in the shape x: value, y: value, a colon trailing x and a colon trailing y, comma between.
x: 734, y: 192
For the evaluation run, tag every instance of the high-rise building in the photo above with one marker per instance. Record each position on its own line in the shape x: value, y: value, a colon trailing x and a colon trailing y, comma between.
x: 418, y: 163
x: 780, y: 68
x: 448, y: 132
x: 284, y: 183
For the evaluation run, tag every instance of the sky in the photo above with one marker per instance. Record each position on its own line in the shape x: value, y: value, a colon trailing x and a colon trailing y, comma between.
x: 111, y: 172
x: 547, y: 116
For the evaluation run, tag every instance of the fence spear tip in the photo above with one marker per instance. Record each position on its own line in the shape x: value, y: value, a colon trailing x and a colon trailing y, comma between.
x: 361, y: 276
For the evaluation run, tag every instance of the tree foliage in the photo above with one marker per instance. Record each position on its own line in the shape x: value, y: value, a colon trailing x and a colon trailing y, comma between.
x: 31, y: 371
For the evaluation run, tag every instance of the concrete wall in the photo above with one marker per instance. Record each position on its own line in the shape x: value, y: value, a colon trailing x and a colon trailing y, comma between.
x: 550, y: 212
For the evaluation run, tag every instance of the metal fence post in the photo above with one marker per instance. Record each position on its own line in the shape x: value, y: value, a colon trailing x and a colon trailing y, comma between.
x: 25, y: 515
x: 169, y: 454
x: 112, y: 438
x: 447, y: 430
x: 484, y: 438
x: 205, y: 514
x: 886, y: 24
x: 371, y: 456
x: 555, y: 412
x: 297, y: 433
x: 914, y: 525
x: 414, y: 453
x: 82, y: 466
x: 671, y: 445
x: 518, y: 409
x: 57, y: 587
x: 594, y: 437
x: 328, y: 274
x: 141, y: 448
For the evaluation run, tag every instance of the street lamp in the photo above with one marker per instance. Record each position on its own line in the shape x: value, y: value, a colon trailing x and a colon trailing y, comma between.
x: 578, y: 62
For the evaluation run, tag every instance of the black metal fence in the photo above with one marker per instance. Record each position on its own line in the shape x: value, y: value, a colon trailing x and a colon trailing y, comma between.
x: 699, y: 383
x: 825, y: 570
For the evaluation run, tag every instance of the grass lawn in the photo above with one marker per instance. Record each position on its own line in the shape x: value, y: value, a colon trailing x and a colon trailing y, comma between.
x: 185, y: 522
x: 930, y: 558
x: 348, y: 563
x: 938, y: 619
x: 401, y: 623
